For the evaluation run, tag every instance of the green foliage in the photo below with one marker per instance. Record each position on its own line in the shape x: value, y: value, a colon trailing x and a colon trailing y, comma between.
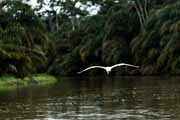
x: 159, y: 44
x: 23, y: 39
x: 101, y: 39
x: 11, y: 82
x: 66, y: 41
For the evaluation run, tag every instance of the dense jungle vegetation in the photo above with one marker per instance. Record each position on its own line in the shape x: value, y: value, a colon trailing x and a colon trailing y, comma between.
x: 68, y: 37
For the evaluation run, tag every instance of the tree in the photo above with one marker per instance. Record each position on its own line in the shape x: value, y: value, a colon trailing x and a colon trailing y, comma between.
x: 23, y: 38
x: 157, y: 48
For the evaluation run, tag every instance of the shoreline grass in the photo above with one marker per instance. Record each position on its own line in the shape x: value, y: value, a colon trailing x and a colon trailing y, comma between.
x: 11, y: 82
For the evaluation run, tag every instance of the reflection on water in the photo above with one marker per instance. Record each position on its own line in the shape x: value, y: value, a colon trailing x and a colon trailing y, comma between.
x: 124, y: 98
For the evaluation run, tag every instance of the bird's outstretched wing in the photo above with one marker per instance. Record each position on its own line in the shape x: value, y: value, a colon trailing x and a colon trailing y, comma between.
x: 92, y: 67
x: 124, y: 64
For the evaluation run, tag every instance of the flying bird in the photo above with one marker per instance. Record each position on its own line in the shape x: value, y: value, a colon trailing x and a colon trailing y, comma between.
x: 109, y: 68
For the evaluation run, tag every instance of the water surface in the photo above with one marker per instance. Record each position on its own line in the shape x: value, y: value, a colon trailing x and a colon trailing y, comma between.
x: 96, y: 98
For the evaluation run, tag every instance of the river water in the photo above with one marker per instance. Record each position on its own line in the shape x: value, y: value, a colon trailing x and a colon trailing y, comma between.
x: 95, y: 98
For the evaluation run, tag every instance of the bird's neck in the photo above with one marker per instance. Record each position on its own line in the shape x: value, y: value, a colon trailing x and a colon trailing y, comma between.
x: 108, y: 67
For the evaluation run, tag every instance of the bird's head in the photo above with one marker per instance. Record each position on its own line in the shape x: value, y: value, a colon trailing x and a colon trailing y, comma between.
x: 108, y: 69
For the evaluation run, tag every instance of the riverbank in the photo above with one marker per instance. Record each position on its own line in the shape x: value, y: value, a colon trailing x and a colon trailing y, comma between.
x: 11, y: 82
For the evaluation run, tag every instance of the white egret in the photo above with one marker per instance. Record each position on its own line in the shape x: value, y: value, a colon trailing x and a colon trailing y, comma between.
x: 109, y: 68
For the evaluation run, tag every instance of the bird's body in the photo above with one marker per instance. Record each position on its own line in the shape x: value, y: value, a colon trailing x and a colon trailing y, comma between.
x: 109, y: 68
